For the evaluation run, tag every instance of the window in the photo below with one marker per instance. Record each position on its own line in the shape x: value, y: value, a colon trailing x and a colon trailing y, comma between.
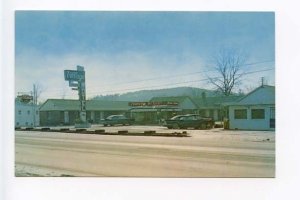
x: 28, y: 112
x: 257, y: 113
x: 20, y: 112
x: 240, y: 114
x: 190, y: 117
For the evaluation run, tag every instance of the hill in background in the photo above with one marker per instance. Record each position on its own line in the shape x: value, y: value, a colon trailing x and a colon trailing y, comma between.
x: 146, y: 95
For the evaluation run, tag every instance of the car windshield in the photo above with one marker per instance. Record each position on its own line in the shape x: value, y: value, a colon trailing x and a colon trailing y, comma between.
x: 176, y: 117
x: 111, y: 117
x: 193, y: 117
x: 116, y: 117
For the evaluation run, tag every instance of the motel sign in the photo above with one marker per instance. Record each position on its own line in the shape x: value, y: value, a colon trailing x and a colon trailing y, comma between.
x: 74, y: 75
x: 76, y: 80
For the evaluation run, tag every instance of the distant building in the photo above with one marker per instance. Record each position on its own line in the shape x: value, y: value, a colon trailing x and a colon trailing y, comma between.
x: 26, y: 114
x: 255, y: 111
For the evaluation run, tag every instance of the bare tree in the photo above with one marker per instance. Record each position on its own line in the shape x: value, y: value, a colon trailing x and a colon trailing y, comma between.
x: 38, y: 90
x: 228, y: 64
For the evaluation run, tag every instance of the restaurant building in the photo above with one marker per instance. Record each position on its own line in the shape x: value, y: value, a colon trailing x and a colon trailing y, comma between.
x: 161, y: 108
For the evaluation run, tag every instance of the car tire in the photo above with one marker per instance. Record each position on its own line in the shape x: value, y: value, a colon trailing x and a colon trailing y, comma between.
x: 203, y: 126
x: 175, y: 126
x: 208, y: 126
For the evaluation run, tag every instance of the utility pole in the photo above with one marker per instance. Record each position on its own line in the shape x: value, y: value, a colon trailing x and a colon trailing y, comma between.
x: 262, y: 81
x: 34, y: 103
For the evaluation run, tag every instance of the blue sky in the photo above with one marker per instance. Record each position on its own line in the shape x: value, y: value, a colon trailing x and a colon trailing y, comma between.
x: 122, y: 47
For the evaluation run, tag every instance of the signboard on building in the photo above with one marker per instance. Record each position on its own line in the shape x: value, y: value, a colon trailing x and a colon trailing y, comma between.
x: 73, y: 75
x: 157, y: 103
x: 25, y: 98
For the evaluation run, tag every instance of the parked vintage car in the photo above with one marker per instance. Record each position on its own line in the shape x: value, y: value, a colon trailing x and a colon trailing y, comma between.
x: 117, y: 120
x: 189, y: 121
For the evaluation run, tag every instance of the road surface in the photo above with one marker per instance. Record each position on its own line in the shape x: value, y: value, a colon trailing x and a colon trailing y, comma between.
x: 207, y: 153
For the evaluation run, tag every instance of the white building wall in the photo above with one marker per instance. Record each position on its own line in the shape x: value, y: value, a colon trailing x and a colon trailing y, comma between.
x: 250, y: 124
x: 25, y: 115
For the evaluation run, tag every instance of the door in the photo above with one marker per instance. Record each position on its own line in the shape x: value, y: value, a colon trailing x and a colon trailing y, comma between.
x: 272, y: 117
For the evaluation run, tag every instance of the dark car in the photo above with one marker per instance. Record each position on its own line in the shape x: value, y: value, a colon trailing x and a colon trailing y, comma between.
x: 189, y: 121
x: 117, y: 119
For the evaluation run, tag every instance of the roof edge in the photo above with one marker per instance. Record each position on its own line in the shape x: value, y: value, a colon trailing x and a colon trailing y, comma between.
x: 262, y: 86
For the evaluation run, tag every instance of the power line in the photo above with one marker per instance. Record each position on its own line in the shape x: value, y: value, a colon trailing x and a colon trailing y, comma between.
x: 162, y: 77
x: 199, y: 80
x: 260, y: 62
x: 180, y: 75
x: 170, y: 84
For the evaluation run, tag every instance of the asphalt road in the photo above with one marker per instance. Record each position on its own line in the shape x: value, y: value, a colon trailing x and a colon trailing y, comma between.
x: 213, y: 153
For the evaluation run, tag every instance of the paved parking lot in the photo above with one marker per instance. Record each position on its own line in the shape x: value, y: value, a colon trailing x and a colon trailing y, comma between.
x: 207, y: 153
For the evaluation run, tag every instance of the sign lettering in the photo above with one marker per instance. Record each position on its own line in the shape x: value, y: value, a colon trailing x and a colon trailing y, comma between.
x: 158, y: 103
x: 73, y: 75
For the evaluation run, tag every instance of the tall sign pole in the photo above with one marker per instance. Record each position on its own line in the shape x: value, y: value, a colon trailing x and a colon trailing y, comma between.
x: 76, y: 80
x: 81, y: 93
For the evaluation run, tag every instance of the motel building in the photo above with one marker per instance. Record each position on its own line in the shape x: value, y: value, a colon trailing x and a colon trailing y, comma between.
x: 255, y: 111
x: 65, y: 112
x: 56, y: 112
